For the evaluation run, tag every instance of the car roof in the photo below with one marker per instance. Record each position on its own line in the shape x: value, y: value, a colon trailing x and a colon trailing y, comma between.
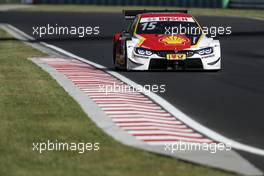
x: 165, y: 14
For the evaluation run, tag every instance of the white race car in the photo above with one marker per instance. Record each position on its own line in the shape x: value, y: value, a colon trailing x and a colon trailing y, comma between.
x: 165, y: 40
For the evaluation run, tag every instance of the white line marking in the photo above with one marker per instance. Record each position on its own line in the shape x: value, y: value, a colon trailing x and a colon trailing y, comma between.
x: 136, y: 128
x: 161, y: 101
x: 163, y: 132
x: 143, y: 120
x: 135, y: 109
x: 153, y: 124
x: 168, y: 142
x: 134, y: 112
x: 178, y: 138
x: 130, y: 105
x: 170, y: 108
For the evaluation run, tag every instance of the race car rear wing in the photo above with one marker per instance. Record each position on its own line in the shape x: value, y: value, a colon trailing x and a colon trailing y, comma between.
x: 131, y: 14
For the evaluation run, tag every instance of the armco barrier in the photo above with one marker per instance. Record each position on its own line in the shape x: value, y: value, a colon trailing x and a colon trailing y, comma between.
x: 177, y: 3
x: 10, y: 1
x: 247, y: 4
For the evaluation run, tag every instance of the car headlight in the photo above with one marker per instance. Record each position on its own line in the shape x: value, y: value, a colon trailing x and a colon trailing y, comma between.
x: 143, y: 51
x: 148, y: 53
x: 205, y: 51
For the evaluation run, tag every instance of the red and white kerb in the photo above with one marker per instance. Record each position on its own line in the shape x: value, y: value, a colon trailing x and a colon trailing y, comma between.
x: 132, y: 111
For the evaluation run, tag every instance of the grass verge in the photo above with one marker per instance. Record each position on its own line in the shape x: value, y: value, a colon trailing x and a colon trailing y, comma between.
x: 93, y: 8
x: 34, y: 108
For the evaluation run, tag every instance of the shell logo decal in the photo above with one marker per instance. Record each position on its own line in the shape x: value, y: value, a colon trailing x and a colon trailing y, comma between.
x: 174, y: 40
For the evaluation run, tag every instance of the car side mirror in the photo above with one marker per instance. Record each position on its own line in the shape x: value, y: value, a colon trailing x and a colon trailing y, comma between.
x: 126, y: 35
x: 212, y: 36
x: 208, y: 35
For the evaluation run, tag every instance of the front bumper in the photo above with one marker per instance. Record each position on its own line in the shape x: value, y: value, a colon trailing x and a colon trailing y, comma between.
x: 164, y: 64
x: 194, y: 63
x: 156, y: 62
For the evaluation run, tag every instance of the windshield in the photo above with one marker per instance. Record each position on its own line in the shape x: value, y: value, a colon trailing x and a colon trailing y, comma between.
x: 168, y: 27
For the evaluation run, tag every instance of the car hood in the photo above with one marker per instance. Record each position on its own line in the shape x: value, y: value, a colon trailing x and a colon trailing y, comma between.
x: 164, y: 42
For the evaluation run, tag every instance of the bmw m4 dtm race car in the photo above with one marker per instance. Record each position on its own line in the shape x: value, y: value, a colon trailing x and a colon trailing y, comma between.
x: 164, y: 40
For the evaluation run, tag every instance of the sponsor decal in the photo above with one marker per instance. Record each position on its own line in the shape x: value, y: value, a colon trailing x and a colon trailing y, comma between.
x: 176, y: 56
x: 182, y: 19
x: 175, y: 40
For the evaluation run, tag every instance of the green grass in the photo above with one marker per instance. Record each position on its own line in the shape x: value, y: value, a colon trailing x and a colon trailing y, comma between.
x: 34, y: 108
x: 92, y: 8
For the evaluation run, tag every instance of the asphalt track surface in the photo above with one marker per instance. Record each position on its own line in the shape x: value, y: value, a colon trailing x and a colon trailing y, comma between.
x: 230, y: 102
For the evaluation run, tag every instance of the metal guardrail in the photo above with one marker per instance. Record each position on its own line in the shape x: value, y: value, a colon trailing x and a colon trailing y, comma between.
x: 177, y: 3
x: 10, y: 1
x: 247, y: 4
